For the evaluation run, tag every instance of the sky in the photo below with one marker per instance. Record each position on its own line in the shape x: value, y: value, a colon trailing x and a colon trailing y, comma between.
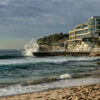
x: 23, y: 20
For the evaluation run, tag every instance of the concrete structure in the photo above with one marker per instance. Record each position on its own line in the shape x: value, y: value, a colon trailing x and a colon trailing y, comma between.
x: 89, y: 31
x: 85, y: 36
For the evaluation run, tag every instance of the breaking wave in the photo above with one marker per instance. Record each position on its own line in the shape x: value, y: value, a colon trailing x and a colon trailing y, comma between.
x: 52, y: 60
x: 30, y: 48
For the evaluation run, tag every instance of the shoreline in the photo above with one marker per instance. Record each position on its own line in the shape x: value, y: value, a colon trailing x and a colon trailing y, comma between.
x: 19, y: 89
x: 70, y: 93
x: 92, y: 77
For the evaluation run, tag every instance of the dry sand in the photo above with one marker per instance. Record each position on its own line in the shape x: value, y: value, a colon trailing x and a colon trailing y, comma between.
x: 89, y: 92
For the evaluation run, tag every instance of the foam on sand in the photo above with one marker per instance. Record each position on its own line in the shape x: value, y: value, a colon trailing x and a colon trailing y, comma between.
x: 19, y: 89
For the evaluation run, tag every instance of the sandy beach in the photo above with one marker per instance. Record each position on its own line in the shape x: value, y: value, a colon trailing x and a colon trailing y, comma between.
x: 87, y: 92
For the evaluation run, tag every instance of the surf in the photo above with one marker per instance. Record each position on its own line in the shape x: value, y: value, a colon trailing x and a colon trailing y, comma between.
x: 53, y: 60
x: 29, y: 48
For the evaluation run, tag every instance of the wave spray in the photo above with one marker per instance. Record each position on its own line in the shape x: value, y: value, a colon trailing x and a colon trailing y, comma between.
x: 30, y: 48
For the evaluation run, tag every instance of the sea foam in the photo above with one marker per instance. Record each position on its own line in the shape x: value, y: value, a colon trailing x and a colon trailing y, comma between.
x: 65, y: 76
x: 54, y: 60
x: 30, y: 48
x: 19, y: 89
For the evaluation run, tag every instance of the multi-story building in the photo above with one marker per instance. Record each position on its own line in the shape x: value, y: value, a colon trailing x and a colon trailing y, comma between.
x: 89, y: 31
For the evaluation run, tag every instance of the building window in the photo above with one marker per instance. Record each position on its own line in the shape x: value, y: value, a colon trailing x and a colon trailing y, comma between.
x: 98, y: 27
x: 98, y: 20
x: 99, y: 34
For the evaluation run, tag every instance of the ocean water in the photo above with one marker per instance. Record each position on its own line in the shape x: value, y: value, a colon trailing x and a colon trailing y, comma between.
x: 17, y: 70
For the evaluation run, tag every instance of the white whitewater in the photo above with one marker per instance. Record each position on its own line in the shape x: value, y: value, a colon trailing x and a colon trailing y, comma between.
x: 19, y: 89
x: 65, y: 76
x: 55, y: 60
x: 30, y: 48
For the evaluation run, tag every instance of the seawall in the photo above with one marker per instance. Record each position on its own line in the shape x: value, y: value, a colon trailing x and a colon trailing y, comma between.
x: 44, y: 54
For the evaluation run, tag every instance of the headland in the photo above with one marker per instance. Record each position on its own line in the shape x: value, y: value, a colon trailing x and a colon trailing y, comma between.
x: 83, y: 40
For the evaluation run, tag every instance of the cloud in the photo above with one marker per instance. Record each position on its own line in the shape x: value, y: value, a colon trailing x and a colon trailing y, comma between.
x: 4, y: 2
x: 37, y: 18
x: 92, y: 1
x: 58, y: 1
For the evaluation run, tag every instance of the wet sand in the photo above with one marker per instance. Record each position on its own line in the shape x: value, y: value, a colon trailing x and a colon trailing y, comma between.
x: 87, y: 92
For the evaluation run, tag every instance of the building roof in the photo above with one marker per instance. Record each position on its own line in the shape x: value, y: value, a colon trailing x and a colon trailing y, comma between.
x: 95, y: 17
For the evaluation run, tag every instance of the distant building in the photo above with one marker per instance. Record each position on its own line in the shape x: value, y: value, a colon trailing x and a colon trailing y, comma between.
x: 89, y: 31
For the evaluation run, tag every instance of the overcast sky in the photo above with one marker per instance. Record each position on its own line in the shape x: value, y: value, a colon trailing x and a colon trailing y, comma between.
x: 22, y: 20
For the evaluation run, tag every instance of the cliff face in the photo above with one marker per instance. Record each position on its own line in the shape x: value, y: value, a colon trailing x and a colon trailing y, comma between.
x: 44, y: 48
x: 52, y: 42
x: 56, y: 38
